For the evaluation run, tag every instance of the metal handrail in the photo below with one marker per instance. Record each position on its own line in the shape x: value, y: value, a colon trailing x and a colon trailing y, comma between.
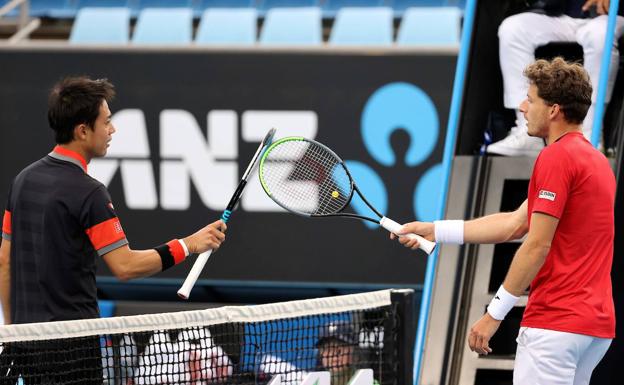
x: 25, y: 25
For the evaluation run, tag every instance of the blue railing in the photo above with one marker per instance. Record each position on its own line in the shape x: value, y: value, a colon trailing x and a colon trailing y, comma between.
x: 447, y: 162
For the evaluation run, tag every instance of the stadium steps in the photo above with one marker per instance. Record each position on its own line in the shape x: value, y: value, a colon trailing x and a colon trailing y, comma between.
x: 481, y: 186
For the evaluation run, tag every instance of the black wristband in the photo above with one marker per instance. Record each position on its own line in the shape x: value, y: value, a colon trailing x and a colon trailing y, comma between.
x: 165, y: 256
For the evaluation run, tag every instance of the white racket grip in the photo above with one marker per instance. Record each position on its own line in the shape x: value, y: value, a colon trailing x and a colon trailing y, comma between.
x: 394, y: 227
x: 191, y: 278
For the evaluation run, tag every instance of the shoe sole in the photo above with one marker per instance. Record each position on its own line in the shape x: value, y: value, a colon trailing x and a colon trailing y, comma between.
x: 531, y: 154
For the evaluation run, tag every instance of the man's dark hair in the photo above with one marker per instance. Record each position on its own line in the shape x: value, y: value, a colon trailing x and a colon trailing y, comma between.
x: 74, y: 101
x: 562, y: 83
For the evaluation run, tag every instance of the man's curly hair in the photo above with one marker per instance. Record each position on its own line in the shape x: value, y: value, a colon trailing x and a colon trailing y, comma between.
x: 562, y: 83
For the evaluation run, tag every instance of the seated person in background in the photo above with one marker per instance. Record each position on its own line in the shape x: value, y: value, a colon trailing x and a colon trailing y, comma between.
x: 157, y: 362
x: 272, y: 365
x: 207, y: 362
x: 549, y: 21
x: 338, y: 351
x: 188, y: 357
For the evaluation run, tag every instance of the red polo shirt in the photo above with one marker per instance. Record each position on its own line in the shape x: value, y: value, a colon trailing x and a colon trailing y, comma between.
x: 574, y: 182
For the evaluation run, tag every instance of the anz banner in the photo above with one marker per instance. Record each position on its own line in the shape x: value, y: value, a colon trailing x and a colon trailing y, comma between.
x: 188, y: 123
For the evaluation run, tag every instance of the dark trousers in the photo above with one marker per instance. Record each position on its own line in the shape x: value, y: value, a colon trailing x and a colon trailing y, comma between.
x: 77, y: 361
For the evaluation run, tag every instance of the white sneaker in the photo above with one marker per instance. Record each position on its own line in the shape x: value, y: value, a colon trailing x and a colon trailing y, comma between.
x: 517, y: 143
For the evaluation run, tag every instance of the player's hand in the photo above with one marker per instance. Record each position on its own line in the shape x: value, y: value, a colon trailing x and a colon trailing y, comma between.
x: 481, y: 332
x: 424, y: 229
x: 602, y: 6
x: 207, y: 238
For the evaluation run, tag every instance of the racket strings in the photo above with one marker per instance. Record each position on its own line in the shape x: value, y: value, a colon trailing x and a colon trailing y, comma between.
x: 329, y: 190
x: 307, y: 178
x: 310, y: 168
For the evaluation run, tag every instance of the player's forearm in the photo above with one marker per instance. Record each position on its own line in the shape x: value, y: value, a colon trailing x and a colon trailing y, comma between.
x: 5, y: 280
x: 5, y: 293
x: 140, y: 264
x: 126, y: 264
x: 494, y: 228
x: 527, y: 262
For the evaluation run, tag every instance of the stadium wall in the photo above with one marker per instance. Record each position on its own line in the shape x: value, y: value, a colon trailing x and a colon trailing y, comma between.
x: 188, y: 121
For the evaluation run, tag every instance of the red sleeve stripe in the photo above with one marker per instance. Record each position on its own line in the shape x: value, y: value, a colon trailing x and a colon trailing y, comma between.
x: 6, y: 222
x: 105, y: 233
x: 176, y: 249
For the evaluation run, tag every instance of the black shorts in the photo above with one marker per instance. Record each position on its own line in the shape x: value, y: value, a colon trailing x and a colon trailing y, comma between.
x: 77, y: 361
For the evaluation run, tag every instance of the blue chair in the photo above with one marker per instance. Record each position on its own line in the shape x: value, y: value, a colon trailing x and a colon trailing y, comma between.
x: 199, y: 6
x: 362, y: 26
x: 292, y: 26
x: 228, y: 26
x: 101, y: 26
x: 430, y: 26
x: 164, y: 26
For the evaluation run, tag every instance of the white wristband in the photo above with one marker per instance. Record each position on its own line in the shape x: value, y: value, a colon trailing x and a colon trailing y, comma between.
x: 186, y: 250
x: 449, y: 231
x: 501, y: 304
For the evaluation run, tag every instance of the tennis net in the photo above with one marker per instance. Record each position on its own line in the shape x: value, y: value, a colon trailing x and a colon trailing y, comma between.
x: 232, y: 344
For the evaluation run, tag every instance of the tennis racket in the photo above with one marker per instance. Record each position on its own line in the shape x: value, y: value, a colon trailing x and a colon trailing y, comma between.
x: 307, y: 178
x: 201, y: 260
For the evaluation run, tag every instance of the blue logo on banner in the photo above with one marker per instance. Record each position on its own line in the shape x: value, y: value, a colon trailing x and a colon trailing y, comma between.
x: 427, y: 194
x: 398, y: 106
x: 372, y: 187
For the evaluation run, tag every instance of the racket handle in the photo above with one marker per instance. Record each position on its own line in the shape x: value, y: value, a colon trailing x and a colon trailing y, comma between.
x: 394, y: 227
x: 192, y: 276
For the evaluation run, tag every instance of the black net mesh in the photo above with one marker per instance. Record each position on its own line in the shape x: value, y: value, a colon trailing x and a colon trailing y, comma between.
x: 249, y: 352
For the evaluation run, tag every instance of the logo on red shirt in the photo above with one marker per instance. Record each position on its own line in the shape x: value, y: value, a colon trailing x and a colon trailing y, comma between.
x: 117, y: 226
x: 543, y: 194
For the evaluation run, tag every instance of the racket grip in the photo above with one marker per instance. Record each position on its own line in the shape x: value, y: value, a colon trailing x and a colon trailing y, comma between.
x: 191, y: 278
x: 394, y: 227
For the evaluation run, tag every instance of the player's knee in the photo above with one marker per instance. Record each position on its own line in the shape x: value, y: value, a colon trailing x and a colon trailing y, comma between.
x: 513, y: 28
x: 591, y: 39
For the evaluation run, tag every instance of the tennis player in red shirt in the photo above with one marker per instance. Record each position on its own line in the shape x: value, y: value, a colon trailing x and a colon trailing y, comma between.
x: 568, y: 218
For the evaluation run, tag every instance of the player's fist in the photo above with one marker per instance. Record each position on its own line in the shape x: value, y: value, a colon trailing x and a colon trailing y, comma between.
x: 424, y: 229
x: 207, y: 238
x: 481, y: 333
x: 602, y: 6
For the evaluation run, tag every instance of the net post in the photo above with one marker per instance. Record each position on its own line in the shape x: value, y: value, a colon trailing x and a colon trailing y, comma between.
x: 403, y: 303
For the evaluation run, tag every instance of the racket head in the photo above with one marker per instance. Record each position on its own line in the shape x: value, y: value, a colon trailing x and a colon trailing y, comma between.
x: 266, y: 142
x: 305, y: 177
